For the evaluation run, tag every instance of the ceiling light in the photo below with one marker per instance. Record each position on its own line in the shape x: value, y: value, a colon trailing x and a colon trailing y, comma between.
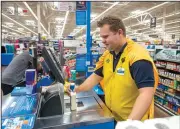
x: 104, y: 12
x: 146, y: 10
x: 66, y: 16
x: 20, y: 11
x: 56, y: 4
x: 171, y: 27
x: 35, y: 16
x: 11, y: 29
x: 146, y: 21
x: 173, y: 31
x: 3, y: 30
x: 169, y: 15
x: 172, y: 22
x: 10, y: 24
x: 93, y: 15
x: 59, y: 19
x: 30, y: 22
x: 58, y: 26
x: 20, y: 29
x: 11, y: 10
x: 137, y: 12
x: 18, y: 23
x: 58, y: 30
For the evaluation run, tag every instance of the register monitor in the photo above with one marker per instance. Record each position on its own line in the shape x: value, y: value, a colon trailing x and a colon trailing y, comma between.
x: 55, y: 59
x: 52, y: 63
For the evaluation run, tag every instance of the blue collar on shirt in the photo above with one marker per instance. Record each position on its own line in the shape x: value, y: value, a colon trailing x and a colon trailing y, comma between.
x: 120, y: 52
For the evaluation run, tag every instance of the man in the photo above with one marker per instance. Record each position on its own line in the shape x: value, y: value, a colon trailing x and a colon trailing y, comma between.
x: 15, y: 71
x: 128, y: 73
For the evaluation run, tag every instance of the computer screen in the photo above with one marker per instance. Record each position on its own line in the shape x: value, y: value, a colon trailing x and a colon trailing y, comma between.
x: 55, y: 58
x: 54, y: 68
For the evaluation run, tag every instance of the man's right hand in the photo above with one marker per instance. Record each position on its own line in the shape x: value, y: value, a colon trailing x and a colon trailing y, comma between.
x: 77, y: 89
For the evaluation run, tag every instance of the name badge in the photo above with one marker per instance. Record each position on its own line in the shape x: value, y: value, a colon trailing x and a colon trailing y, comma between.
x: 120, y: 71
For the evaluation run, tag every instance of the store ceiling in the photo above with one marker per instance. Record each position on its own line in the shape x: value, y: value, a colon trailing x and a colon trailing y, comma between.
x: 18, y: 19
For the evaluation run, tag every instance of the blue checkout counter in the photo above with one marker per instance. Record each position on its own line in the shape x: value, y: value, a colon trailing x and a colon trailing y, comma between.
x: 91, y: 112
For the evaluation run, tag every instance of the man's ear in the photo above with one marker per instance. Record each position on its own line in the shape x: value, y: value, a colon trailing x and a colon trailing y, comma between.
x: 120, y: 31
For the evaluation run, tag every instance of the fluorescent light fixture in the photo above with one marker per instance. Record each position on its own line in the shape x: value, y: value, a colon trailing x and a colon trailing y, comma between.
x: 30, y: 22
x: 20, y: 11
x: 55, y: 4
x: 20, y: 29
x: 159, y: 29
x: 35, y: 16
x: 59, y: 26
x: 66, y: 16
x: 9, y: 24
x: 13, y: 33
x: 172, y: 31
x: 172, y: 22
x: 137, y: 12
x: 104, y: 12
x: 157, y: 25
x: 171, y: 27
x: 169, y: 15
x: 93, y: 15
x: 7, y: 27
x: 18, y: 23
x: 11, y: 10
x: 59, y: 19
x: 94, y: 19
x: 44, y: 34
x: 58, y: 29
x: 146, y: 10
x: 143, y: 29
x: 3, y: 30
x: 146, y: 21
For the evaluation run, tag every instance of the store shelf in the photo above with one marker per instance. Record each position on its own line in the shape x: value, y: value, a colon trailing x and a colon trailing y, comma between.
x: 166, y: 109
x: 175, y: 61
x: 169, y: 86
x: 169, y: 77
x: 166, y: 100
x: 168, y: 93
x: 160, y: 96
x: 178, y: 97
x: 164, y: 67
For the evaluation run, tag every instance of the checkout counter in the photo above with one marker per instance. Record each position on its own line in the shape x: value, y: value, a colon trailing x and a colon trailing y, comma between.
x: 53, y: 110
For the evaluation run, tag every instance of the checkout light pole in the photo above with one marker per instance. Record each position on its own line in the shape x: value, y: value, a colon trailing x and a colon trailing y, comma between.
x: 88, y: 40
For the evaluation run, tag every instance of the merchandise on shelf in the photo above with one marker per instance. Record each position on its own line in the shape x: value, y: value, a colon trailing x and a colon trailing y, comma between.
x: 168, y: 65
x: 170, y: 75
x: 171, y: 55
x: 168, y: 91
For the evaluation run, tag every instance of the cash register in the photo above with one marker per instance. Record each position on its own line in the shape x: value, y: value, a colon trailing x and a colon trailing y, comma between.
x: 53, y: 99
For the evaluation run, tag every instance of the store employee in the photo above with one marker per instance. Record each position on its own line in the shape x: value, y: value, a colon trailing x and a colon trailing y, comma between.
x: 128, y: 73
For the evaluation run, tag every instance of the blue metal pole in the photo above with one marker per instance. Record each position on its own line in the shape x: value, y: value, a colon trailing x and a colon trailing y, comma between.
x: 88, y: 37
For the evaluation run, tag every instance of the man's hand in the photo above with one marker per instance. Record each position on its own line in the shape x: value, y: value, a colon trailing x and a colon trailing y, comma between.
x: 89, y: 83
x: 77, y: 89
x: 67, y: 88
x: 41, y: 59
